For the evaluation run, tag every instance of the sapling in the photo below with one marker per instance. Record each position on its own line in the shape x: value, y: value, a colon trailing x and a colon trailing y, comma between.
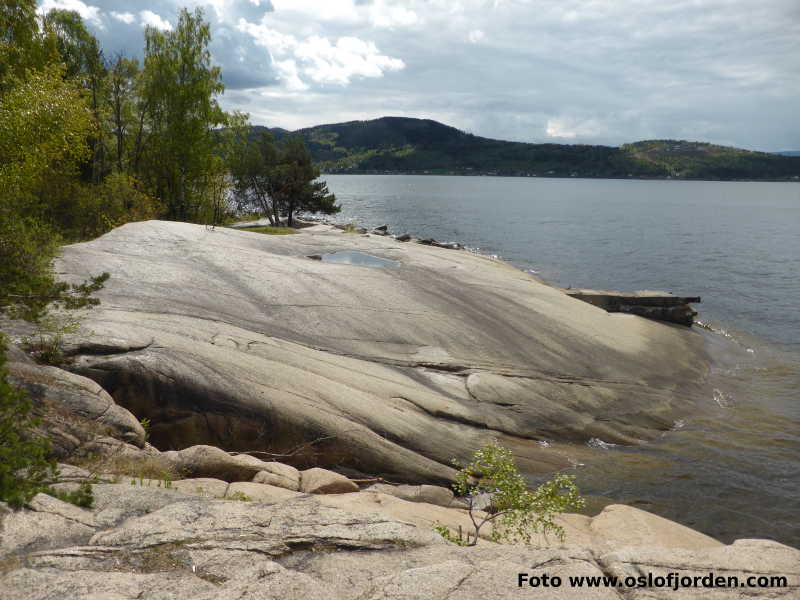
x: 496, y: 493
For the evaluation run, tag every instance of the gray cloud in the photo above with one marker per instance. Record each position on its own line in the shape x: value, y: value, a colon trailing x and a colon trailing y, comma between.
x: 567, y: 71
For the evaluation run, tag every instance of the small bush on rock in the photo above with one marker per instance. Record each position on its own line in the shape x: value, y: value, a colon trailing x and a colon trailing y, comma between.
x: 83, y: 496
x: 515, y: 512
x: 25, y: 468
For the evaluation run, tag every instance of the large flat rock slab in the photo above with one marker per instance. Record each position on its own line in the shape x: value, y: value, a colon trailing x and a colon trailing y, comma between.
x: 239, y: 340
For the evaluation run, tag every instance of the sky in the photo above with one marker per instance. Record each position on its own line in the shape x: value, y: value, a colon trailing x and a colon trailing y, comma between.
x: 544, y: 71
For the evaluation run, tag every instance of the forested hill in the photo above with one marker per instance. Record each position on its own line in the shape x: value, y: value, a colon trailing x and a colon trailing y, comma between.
x: 402, y: 145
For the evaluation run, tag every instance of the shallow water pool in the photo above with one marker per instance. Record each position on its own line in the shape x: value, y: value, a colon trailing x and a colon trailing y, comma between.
x: 359, y: 259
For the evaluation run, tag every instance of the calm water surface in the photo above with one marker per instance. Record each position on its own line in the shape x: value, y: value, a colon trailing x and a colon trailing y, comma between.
x: 731, y: 469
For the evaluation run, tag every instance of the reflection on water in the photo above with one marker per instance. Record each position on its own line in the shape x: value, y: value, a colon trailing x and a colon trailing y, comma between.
x: 359, y: 259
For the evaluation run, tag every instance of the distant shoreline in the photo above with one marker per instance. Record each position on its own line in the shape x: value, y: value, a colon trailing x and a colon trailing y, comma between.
x: 795, y: 179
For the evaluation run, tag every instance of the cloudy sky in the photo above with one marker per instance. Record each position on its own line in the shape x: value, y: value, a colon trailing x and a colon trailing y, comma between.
x: 565, y: 71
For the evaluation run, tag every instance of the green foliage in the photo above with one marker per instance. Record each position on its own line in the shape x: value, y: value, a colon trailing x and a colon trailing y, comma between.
x: 460, y: 540
x: 277, y: 180
x: 178, y: 89
x: 145, y: 423
x: 117, y: 200
x: 251, y: 162
x: 25, y: 469
x: 27, y: 249
x: 44, y: 123
x: 240, y: 496
x: 45, y: 345
x: 269, y: 230
x: 295, y: 184
x: 83, y: 496
x: 515, y: 512
x: 163, y: 480
x: 22, y: 45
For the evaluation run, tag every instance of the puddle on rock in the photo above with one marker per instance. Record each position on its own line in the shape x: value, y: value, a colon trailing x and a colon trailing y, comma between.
x: 355, y: 258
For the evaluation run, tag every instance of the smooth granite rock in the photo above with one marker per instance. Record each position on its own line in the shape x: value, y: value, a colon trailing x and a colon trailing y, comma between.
x: 210, y: 461
x: 280, y: 475
x: 259, y: 492
x: 238, y: 340
x: 322, y: 481
x: 430, y: 494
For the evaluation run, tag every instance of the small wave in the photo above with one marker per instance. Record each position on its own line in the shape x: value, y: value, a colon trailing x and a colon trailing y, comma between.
x: 480, y: 252
x: 600, y: 444
x: 712, y: 329
x: 724, y: 400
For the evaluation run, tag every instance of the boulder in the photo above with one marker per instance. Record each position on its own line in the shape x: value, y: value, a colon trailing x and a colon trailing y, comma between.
x: 14, y: 354
x: 301, y: 520
x: 259, y: 492
x: 209, y: 461
x: 744, y: 561
x: 73, y: 474
x: 280, y: 475
x: 202, y: 486
x: 386, y: 372
x: 322, y: 481
x: 618, y: 525
x: 430, y: 494
x: 448, y: 245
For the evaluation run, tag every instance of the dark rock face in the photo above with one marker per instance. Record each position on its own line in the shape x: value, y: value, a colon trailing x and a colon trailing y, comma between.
x: 238, y: 340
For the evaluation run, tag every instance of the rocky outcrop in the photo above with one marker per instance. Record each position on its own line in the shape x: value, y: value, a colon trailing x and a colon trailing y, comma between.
x: 238, y: 340
x: 75, y: 409
x: 174, y: 544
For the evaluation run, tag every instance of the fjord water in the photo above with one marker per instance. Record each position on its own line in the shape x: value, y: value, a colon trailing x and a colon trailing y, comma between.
x: 731, y: 468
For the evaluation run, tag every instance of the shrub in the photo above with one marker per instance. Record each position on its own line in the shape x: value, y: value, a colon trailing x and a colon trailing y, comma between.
x: 83, y: 496
x: 515, y: 512
x: 25, y: 468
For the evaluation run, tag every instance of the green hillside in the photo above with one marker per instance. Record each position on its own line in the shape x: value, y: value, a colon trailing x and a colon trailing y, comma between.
x: 402, y: 145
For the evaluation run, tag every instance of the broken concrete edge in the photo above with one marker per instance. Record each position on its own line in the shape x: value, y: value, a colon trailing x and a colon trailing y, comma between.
x: 659, y: 306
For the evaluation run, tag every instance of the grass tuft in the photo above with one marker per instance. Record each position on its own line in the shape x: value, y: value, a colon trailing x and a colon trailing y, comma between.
x: 269, y: 230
